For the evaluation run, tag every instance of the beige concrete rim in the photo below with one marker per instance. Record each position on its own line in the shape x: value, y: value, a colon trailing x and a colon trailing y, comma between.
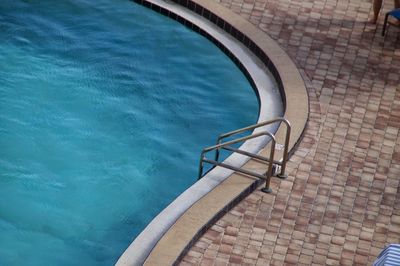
x: 197, y: 218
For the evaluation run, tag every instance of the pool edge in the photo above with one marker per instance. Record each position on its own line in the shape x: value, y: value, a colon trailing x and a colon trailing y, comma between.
x: 183, y: 233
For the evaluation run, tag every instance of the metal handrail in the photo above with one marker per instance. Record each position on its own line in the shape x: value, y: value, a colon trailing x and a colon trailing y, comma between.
x: 272, y: 121
x: 252, y: 155
x: 251, y: 173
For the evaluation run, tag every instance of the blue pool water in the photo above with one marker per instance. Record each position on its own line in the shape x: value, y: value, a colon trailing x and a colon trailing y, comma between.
x: 104, y: 108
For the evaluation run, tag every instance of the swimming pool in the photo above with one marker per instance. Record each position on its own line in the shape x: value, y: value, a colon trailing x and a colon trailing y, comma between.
x: 104, y: 108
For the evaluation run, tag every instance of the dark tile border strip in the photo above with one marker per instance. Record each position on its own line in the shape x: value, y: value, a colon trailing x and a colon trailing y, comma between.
x: 238, y: 35
x: 247, y: 42
x: 228, y: 28
x: 216, y: 217
x: 262, y: 56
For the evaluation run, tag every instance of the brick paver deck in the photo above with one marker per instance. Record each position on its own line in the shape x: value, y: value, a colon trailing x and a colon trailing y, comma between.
x: 341, y: 203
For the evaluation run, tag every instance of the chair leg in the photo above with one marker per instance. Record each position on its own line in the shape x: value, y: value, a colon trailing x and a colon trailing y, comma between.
x: 384, y: 24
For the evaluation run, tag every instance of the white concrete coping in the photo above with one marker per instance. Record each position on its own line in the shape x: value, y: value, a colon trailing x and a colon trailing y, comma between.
x: 170, y: 232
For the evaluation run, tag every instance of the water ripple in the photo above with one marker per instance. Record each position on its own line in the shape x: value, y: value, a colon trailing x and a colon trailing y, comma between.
x: 104, y: 107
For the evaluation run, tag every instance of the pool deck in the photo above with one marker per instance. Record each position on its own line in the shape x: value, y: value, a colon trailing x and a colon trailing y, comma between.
x: 341, y: 202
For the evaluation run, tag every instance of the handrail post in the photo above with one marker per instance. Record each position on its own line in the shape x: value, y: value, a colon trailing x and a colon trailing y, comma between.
x: 217, y: 150
x: 282, y: 174
x: 201, y: 165
x: 267, y: 188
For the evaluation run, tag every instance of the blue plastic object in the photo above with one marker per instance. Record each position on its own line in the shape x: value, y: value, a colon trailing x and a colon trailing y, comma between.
x: 390, y: 256
x: 394, y: 13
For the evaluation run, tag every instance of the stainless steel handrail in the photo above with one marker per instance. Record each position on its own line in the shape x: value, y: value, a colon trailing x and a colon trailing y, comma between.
x: 251, y: 173
x: 252, y: 155
x: 272, y: 121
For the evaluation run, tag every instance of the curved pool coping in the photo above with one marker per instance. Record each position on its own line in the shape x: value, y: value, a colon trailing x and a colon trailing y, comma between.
x: 178, y: 226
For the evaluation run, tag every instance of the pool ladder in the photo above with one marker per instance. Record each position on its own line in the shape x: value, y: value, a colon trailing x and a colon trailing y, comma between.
x: 273, y: 165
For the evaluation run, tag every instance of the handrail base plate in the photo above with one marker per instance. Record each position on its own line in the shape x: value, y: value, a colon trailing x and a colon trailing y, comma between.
x: 266, y: 190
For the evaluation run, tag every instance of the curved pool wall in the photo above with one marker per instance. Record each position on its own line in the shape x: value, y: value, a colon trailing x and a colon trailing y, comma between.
x: 256, y: 64
x: 193, y: 176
